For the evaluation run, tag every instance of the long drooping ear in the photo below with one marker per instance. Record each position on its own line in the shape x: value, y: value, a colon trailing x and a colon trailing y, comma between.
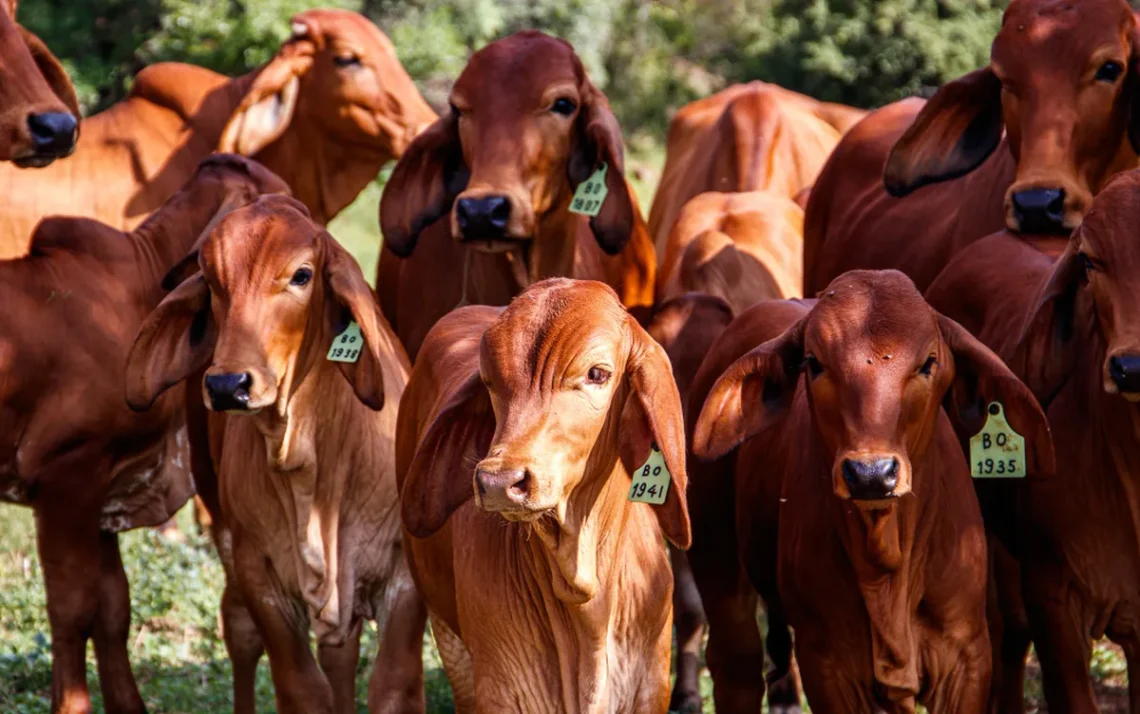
x: 350, y: 298
x: 652, y: 415
x: 597, y: 142
x: 981, y: 378
x: 751, y: 395
x: 266, y: 110
x: 440, y: 477
x: 954, y: 133
x: 1046, y: 352
x: 424, y: 184
x: 52, y: 71
x: 174, y: 341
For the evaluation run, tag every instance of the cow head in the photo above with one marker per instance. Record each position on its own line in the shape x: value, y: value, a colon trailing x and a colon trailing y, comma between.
x: 1063, y: 83
x: 878, y: 364
x: 338, y: 81
x: 526, y: 126
x: 39, y: 115
x: 572, y: 384
x: 273, y: 291
x: 1092, y: 297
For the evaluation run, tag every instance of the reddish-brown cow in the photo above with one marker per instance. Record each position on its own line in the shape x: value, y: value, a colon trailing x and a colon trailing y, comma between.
x: 1067, y: 327
x: 87, y: 465
x: 39, y: 116
x: 1061, y: 85
x: 325, y: 114
x: 483, y: 197
x: 749, y: 137
x: 880, y: 560
x: 518, y: 434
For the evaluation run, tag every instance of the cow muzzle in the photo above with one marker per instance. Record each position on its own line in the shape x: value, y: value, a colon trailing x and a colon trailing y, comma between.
x: 507, y: 491
x: 52, y: 136
x: 1039, y: 210
x: 1124, y: 374
x: 871, y: 479
x: 228, y: 392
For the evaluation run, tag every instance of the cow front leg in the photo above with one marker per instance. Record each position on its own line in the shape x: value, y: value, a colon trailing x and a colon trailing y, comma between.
x: 1063, y: 644
x: 112, y: 628
x: 689, y: 621
x: 339, y: 666
x: 244, y: 646
x: 397, y: 682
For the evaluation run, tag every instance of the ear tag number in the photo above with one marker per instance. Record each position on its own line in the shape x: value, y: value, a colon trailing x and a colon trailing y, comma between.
x: 591, y: 194
x: 651, y: 482
x: 997, y: 451
x: 347, y: 345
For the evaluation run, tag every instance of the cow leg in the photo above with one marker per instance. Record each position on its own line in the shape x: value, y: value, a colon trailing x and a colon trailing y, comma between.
x: 1131, y: 647
x: 965, y: 688
x: 1063, y: 648
x: 830, y: 690
x: 689, y: 619
x: 457, y: 663
x: 397, y: 682
x: 783, y: 689
x: 339, y: 665
x: 244, y: 645
x: 1010, y: 637
x: 112, y: 627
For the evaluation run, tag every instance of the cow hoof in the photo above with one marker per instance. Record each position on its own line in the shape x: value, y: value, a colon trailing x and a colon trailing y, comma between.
x: 685, y: 703
x: 785, y: 709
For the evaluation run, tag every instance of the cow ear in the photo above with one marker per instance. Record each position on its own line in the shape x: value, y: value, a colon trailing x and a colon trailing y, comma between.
x: 350, y: 298
x: 1046, y: 351
x: 652, y: 415
x: 267, y: 108
x: 174, y: 341
x: 751, y: 395
x: 981, y: 378
x: 598, y: 142
x: 424, y: 184
x: 52, y: 71
x: 954, y: 133
x: 439, y: 479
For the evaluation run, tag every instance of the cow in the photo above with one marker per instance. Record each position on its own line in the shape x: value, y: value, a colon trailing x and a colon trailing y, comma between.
x: 1059, y: 311
x: 748, y: 137
x: 484, y: 196
x: 326, y: 113
x: 88, y: 466
x: 302, y: 441
x: 845, y: 415
x: 517, y: 437
x: 39, y: 114
x: 1044, y: 125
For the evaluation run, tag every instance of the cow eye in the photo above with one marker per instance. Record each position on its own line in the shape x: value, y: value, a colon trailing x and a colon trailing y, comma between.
x: 1110, y: 71
x: 928, y: 366
x: 1088, y: 265
x: 597, y: 375
x: 346, y: 61
x: 813, y: 366
x: 563, y: 106
x: 302, y: 277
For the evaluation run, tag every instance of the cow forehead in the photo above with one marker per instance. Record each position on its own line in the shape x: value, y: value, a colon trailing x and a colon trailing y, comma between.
x: 1038, y: 33
x: 332, y: 25
x: 865, y: 310
x: 519, y: 67
x: 256, y: 238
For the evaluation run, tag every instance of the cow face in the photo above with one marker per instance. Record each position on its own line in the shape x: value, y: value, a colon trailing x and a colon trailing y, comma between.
x: 1062, y: 82
x: 525, y: 127
x: 878, y: 364
x: 339, y: 76
x: 39, y: 122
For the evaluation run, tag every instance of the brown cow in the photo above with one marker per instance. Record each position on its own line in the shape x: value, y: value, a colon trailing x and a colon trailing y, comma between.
x: 486, y: 192
x: 1066, y: 326
x: 748, y: 137
x: 304, y: 459
x: 516, y: 441
x: 326, y: 114
x: 1061, y: 84
x: 88, y: 466
x: 39, y: 114
x: 880, y: 558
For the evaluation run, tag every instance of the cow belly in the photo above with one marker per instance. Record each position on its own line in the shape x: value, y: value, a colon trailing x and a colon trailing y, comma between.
x: 148, y: 489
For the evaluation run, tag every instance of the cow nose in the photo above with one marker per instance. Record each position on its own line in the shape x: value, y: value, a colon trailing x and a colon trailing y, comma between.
x: 483, y: 218
x: 53, y: 133
x: 1040, y: 210
x: 1125, y: 372
x: 228, y: 392
x: 871, y: 480
x: 502, y: 490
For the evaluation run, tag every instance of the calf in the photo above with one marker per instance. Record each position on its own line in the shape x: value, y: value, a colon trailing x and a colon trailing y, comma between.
x: 1066, y: 325
x: 517, y: 438
x: 485, y: 196
x: 880, y: 558
x: 302, y: 445
x: 69, y: 447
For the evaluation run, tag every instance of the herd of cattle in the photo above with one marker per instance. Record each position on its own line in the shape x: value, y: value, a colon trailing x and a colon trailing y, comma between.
x: 178, y: 321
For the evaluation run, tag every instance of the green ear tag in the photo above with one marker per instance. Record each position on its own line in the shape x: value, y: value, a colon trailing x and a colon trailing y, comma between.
x: 651, y: 482
x: 591, y: 194
x: 997, y: 450
x: 347, y: 345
